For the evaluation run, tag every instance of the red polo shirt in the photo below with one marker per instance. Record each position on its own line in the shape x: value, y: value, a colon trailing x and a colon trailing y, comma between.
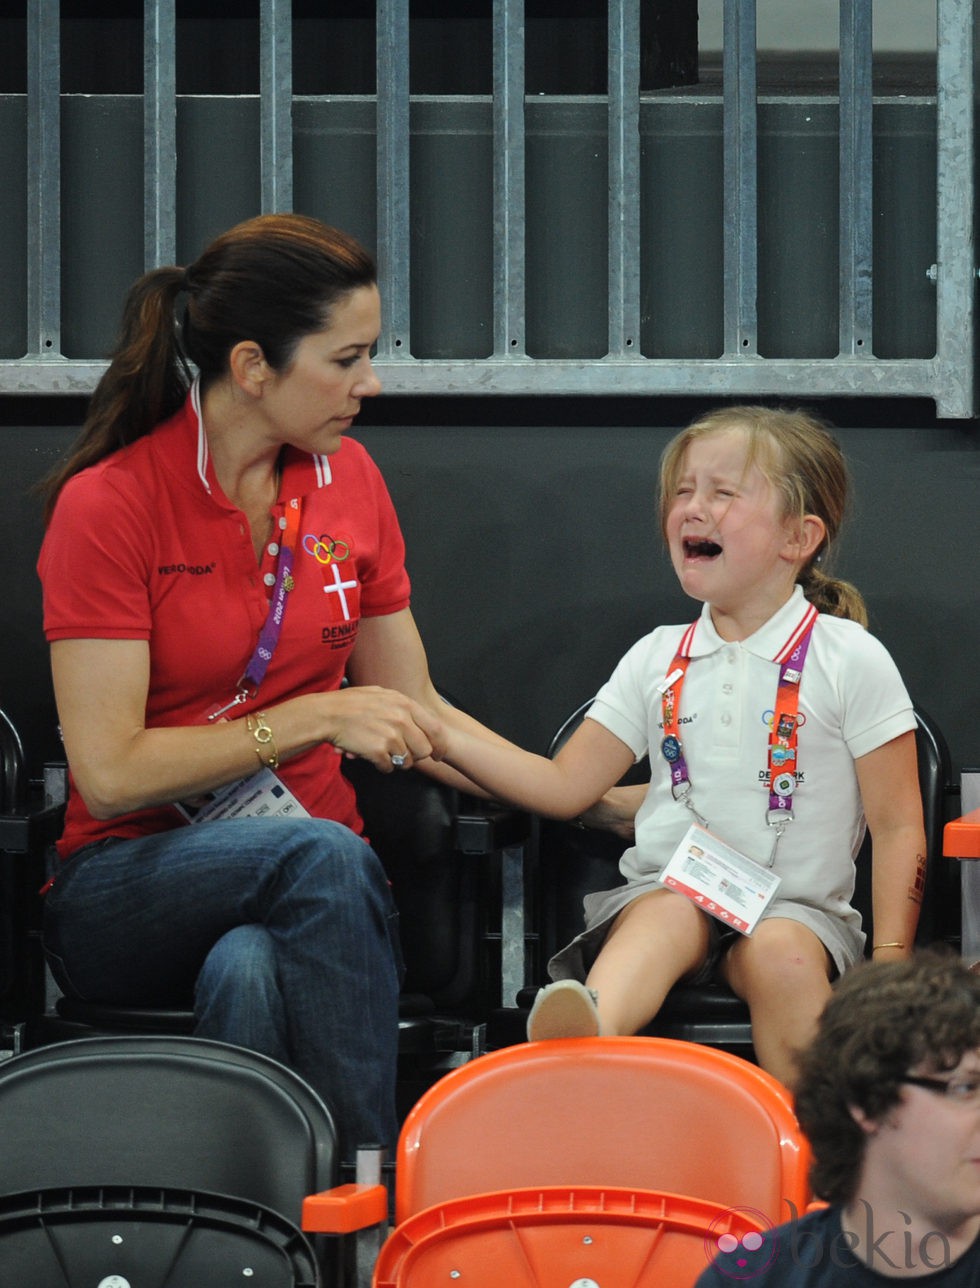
x: 144, y: 545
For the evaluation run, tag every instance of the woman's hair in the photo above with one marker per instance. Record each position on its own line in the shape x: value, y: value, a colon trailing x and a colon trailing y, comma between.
x: 803, y: 461
x: 881, y: 1023
x: 273, y: 280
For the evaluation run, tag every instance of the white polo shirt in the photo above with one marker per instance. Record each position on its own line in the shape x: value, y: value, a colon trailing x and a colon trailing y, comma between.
x: 851, y: 701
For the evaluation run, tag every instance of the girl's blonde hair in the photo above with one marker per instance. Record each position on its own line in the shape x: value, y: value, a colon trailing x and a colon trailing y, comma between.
x: 801, y: 459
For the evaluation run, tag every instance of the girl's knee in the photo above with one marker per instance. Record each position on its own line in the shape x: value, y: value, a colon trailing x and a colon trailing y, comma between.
x: 781, y: 954
x: 781, y: 938
x: 660, y: 907
x: 663, y: 931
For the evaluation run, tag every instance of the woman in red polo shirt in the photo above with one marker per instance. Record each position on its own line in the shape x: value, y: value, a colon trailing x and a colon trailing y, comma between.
x: 218, y: 556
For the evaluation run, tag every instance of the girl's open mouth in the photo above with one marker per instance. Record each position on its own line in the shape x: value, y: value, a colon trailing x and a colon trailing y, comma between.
x: 700, y: 548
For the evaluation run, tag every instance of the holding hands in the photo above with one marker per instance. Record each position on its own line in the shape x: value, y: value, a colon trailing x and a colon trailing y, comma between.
x: 385, y: 727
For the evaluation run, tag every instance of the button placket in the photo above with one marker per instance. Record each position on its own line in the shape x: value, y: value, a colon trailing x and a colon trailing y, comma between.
x: 726, y: 720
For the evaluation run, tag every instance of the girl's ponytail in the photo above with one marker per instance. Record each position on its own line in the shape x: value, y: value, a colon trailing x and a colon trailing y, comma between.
x: 833, y: 596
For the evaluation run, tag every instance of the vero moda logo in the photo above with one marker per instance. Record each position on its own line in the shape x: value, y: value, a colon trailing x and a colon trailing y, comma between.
x: 748, y: 1243
x: 194, y: 570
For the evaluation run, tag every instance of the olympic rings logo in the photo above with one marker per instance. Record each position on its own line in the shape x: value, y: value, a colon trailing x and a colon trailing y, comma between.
x: 325, y: 549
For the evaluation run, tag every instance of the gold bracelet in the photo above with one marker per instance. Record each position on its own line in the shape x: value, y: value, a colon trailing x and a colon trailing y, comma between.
x: 267, y: 751
x: 877, y: 946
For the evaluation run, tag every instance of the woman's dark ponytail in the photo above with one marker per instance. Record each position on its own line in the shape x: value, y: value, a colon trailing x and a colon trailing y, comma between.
x: 146, y: 381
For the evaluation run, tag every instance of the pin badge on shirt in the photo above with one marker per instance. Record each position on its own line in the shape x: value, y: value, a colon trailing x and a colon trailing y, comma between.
x: 785, y: 727
x: 783, y: 784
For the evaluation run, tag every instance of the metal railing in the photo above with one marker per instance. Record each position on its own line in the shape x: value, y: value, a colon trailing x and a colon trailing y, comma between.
x: 739, y: 369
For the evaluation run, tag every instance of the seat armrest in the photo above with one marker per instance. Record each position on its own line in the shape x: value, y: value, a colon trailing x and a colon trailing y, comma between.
x: 31, y: 831
x: 495, y: 828
x: 344, y: 1209
x: 961, y: 837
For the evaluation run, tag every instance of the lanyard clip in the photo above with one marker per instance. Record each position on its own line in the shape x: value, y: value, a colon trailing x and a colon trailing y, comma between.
x: 240, y: 697
x: 778, y: 820
x: 682, y: 792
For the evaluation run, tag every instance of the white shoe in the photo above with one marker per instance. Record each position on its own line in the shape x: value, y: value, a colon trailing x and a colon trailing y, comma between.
x: 565, y: 1009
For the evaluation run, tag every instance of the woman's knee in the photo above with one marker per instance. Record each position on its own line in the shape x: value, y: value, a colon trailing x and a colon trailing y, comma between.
x: 303, y: 868
x: 238, y: 995
x: 336, y: 855
x: 331, y: 889
x: 243, y: 958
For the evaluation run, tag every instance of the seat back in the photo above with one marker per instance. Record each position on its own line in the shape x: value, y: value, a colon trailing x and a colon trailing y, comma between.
x: 12, y: 776
x: 643, y: 1113
x: 173, y: 1112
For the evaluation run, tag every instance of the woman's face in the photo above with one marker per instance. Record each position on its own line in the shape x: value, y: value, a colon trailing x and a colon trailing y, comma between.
x: 313, y: 401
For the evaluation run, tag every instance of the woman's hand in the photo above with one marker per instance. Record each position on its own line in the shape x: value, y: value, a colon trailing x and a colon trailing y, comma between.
x: 616, y: 811
x: 383, y: 726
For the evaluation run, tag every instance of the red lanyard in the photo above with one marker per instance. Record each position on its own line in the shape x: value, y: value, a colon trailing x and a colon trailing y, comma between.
x: 782, y: 732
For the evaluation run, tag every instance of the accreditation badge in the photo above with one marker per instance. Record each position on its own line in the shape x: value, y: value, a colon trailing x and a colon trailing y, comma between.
x: 720, y: 880
x: 262, y: 795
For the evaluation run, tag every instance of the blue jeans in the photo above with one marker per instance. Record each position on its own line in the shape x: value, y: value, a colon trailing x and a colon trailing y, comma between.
x: 283, y: 932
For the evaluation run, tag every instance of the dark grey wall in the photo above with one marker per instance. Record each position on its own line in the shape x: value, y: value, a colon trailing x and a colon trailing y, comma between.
x: 535, y: 557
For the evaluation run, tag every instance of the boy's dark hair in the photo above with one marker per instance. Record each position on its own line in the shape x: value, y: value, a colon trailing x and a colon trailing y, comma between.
x: 881, y: 1023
